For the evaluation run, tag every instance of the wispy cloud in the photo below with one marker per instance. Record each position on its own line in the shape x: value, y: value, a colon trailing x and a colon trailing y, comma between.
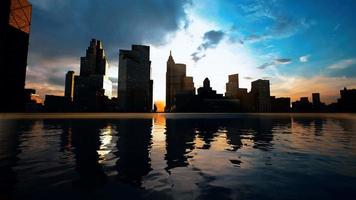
x: 283, y: 24
x: 210, y: 40
x: 343, y: 64
x: 304, y: 58
x: 276, y: 62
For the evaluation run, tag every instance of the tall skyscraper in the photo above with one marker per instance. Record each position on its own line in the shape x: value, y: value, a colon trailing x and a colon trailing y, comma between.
x: 260, y: 91
x: 15, y: 20
x: 69, y: 85
x: 135, y: 86
x: 316, y: 99
x: 92, y: 84
x: 232, y: 86
x: 177, y: 83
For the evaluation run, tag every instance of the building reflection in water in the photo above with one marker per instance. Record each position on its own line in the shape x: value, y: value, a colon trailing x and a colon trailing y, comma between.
x: 180, y: 134
x: 133, y: 147
x: 10, y: 132
x: 86, y: 142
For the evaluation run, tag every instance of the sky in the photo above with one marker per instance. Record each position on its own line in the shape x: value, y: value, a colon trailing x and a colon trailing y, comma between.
x: 300, y: 46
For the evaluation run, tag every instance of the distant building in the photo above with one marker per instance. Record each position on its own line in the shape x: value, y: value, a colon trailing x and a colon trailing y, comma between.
x: 206, y: 92
x: 55, y: 103
x: 280, y: 105
x: 303, y: 105
x: 347, y: 102
x: 260, y: 92
x: 92, y: 86
x: 316, y: 99
x: 210, y: 101
x: 179, y: 88
x: 15, y: 21
x: 69, y: 85
x: 135, y: 86
x: 232, y: 87
x: 34, y: 103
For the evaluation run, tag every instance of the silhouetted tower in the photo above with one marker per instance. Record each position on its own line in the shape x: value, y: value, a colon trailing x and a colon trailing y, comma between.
x: 92, y: 84
x: 69, y: 85
x: 260, y: 91
x: 135, y: 86
x: 177, y: 83
x: 316, y: 99
x: 15, y: 21
x: 232, y: 87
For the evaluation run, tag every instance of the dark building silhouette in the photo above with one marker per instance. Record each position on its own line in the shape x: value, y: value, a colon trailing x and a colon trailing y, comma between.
x: 34, y: 103
x: 234, y: 92
x: 316, y: 99
x: 303, y: 105
x: 54, y: 103
x: 135, y: 86
x: 347, y: 102
x: 318, y: 106
x: 15, y: 21
x: 69, y: 86
x: 92, y: 86
x: 232, y: 87
x: 210, y: 101
x: 260, y: 91
x: 280, y: 104
x: 180, y: 89
x: 206, y: 92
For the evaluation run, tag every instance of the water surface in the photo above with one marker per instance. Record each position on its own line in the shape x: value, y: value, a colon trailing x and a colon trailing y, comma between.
x: 178, y: 156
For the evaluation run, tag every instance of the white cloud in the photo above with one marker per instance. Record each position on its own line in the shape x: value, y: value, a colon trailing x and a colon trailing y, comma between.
x: 304, y: 59
x: 343, y: 64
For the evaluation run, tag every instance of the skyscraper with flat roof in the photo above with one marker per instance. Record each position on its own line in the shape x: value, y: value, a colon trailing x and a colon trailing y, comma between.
x: 232, y: 86
x: 69, y: 86
x: 135, y: 86
x: 260, y: 91
x: 15, y: 21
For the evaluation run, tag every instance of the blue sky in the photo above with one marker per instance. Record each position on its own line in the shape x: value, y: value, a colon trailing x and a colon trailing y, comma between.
x: 300, y: 46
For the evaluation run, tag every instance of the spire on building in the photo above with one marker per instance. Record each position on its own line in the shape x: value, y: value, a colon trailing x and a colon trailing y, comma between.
x: 170, y: 58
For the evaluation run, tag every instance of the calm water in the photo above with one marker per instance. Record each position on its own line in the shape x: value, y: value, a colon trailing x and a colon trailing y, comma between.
x: 178, y: 156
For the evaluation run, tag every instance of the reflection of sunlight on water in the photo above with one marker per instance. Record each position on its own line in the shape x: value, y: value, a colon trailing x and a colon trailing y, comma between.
x: 105, y: 139
x: 156, y: 179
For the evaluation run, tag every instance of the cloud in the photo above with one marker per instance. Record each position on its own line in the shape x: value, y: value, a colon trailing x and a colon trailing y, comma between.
x: 279, y: 24
x: 248, y: 78
x: 210, y: 40
x: 62, y: 28
x: 304, y: 59
x: 343, y: 64
x: 276, y: 62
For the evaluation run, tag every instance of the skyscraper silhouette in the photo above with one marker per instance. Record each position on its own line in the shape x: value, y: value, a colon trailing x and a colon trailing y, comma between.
x: 69, y: 85
x: 15, y: 20
x: 260, y: 91
x: 135, y: 86
x: 178, y: 85
x: 92, y: 84
x: 232, y: 86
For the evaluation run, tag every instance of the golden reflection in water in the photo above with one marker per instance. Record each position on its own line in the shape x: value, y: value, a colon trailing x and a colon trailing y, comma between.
x: 105, y: 139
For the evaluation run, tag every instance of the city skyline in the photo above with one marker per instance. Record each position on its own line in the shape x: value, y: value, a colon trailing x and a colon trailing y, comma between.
x: 293, y: 45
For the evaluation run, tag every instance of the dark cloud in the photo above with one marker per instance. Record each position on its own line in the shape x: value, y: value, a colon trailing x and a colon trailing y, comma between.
x: 275, y: 62
x: 63, y: 28
x: 210, y: 40
x: 248, y: 78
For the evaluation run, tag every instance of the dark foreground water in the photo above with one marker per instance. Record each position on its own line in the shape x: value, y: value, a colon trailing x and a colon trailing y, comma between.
x: 178, y: 156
